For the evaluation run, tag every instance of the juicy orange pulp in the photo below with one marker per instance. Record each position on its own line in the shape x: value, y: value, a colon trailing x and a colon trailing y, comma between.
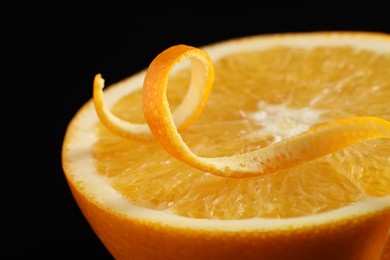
x: 258, y: 99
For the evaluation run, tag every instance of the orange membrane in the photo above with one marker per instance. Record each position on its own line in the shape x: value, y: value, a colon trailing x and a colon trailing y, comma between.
x: 255, y: 101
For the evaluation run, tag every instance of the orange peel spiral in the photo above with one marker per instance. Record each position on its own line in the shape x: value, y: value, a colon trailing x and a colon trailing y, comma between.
x: 191, y: 106
x: 166, y: 126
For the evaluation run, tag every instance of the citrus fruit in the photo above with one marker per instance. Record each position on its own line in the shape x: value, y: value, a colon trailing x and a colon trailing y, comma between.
x: 312, y: 108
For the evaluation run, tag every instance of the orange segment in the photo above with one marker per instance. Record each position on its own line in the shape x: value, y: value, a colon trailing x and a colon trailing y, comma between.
x: 307, y: 146
x: 185, y: 113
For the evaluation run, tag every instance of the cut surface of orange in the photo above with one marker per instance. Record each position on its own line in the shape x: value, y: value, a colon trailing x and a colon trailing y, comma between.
x: 267, y: 90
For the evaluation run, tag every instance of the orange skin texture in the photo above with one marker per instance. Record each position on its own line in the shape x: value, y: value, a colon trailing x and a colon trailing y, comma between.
x: 127, y: 238
x: 386, y: 251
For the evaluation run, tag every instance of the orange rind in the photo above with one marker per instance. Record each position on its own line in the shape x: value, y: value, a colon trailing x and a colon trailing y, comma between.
x: 165, y: 125
x: 191, y: 106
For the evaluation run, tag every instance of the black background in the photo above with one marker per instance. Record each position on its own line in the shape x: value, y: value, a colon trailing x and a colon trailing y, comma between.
x: 49, y: 60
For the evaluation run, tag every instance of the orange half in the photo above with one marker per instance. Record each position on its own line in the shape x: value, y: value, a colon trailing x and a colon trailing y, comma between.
x: 144, y: 204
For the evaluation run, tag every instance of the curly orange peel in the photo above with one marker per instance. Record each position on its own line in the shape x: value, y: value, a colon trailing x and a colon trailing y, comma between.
x: 202, y: 76
x: 165, y: 125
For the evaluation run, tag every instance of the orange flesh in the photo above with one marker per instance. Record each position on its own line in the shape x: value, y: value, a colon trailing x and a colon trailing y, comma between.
x: 351, y: 85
